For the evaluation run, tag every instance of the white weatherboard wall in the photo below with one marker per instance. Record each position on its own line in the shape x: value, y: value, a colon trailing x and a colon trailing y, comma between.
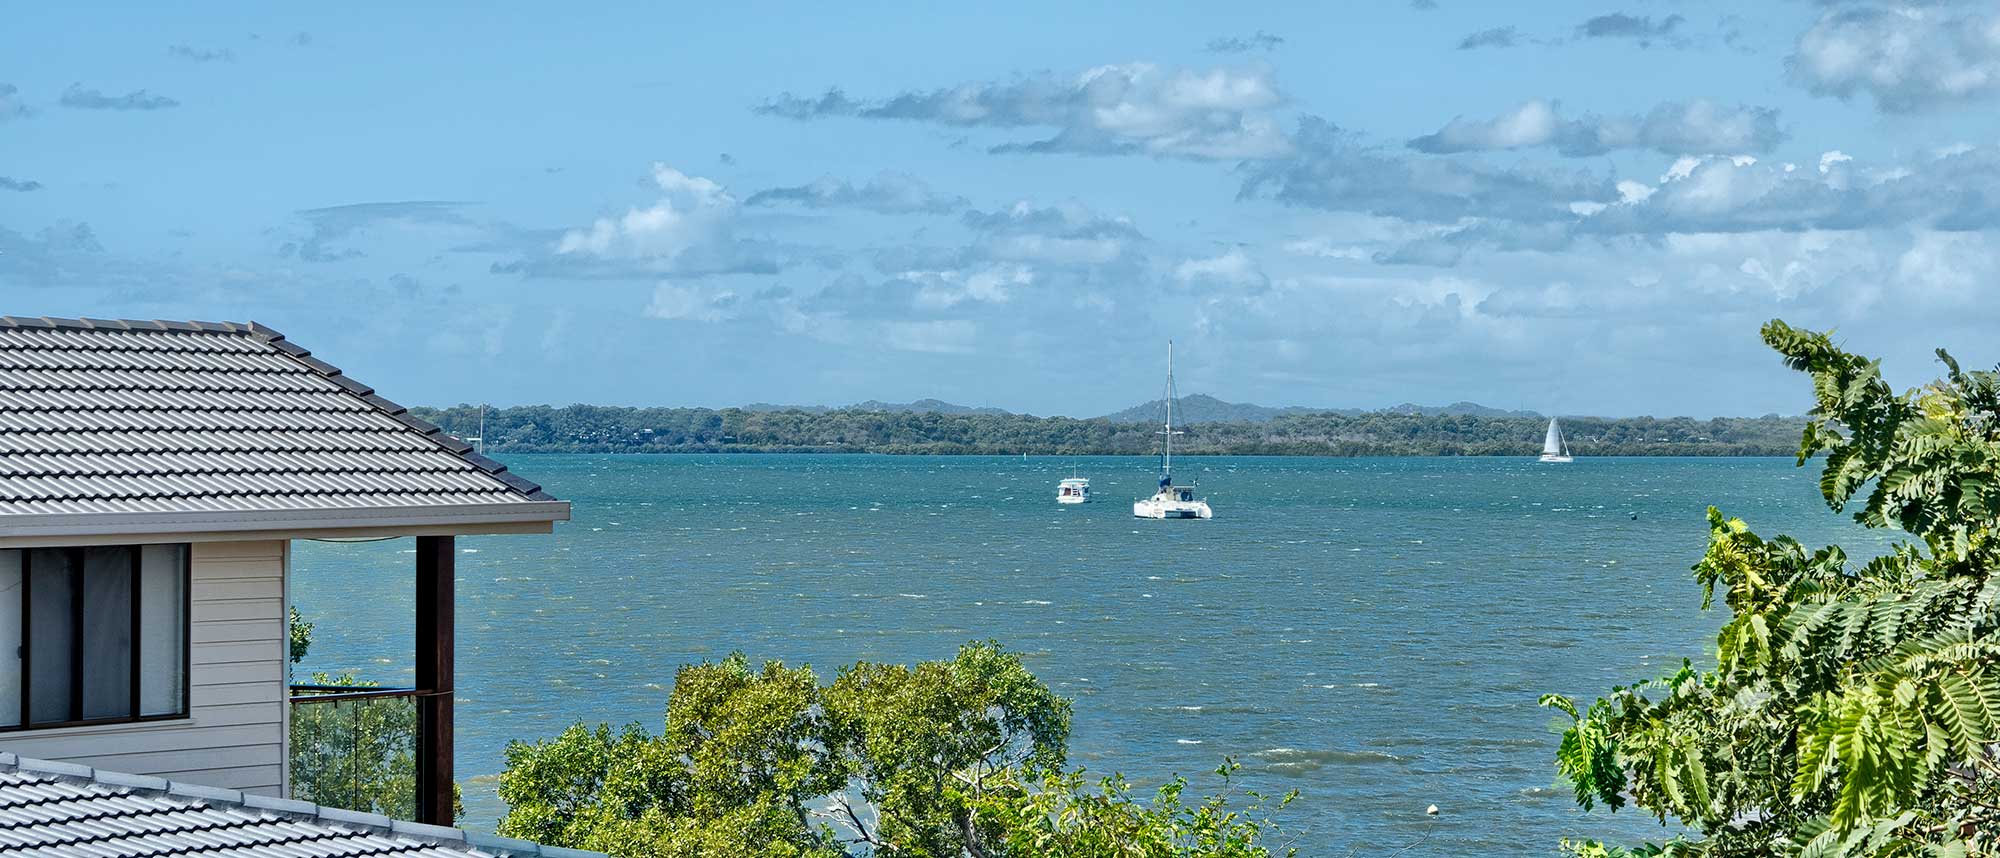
x: 234, y: 736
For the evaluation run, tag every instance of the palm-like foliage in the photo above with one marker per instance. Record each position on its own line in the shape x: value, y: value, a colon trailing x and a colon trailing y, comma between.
x: 1851, y: 711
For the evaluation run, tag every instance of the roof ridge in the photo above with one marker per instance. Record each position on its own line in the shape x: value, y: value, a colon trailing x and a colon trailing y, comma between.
x: 147, y: 326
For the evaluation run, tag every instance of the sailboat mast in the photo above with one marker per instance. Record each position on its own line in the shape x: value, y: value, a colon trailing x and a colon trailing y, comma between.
x: 1168, y: 464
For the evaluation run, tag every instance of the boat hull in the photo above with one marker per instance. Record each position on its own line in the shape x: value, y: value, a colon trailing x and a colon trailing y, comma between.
x: 1555, y: 458
x: 1171, y: 509
x: 1071, y: 499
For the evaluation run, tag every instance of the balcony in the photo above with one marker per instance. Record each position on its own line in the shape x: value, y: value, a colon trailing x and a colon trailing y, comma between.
x: 355, y: 746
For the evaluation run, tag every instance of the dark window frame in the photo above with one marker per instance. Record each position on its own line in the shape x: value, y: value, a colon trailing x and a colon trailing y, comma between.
x: 77, y: 614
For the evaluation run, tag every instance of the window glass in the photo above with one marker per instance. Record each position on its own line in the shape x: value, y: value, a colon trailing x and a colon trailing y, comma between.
x: 10, y: 638
x: 50, y: 639
x: 92, y: 634
x: 162, y: 628
x: 107, y: 632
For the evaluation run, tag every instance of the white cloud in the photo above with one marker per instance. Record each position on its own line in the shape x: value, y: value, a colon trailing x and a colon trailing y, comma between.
x: 1133, y: 108
x: 691, y: 230
x: 1695, y: 127
x: 693, y: 210
x: 1907, y: 56
x: 1630, y: 192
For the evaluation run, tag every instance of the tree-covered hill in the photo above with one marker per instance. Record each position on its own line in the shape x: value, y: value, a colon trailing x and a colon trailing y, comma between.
x: 601, y: 429
x: 1203, y: 408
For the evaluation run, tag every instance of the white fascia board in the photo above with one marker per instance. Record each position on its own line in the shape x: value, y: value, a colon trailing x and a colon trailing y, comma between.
x: 18, y: 531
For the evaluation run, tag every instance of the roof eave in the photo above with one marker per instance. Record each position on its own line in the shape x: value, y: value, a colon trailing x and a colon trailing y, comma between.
x: 454, y: 520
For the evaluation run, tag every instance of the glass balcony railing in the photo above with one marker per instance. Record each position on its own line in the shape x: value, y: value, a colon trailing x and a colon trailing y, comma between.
x: 355, y: 747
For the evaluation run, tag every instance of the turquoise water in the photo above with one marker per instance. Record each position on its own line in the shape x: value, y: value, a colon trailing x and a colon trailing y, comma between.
x: 1372, y: 632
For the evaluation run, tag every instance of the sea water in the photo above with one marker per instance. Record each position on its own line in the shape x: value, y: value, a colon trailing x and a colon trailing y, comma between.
x: 1371, y: 632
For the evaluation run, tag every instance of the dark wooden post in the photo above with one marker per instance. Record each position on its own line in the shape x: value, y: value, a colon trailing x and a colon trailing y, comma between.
x: 435, y: 570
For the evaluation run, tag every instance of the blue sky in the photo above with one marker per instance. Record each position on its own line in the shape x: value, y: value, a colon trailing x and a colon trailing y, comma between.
x: 1574, y: 208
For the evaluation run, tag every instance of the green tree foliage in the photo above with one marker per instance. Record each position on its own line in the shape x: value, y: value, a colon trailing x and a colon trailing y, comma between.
x: 301, y: 635
x: 1852, y: 710
x: 1063, y: 815
x: 594, y: 429
x: 937, y: 760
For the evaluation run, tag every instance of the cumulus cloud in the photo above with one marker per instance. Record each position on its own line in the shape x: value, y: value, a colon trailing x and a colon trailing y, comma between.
x: 1258, y: 41
x: 201, y: 55
x: 9, y: 183
x: 1693, y: 127
x: 1136, y: 108
x: 1641, y: 29
x: 1949, y: 193
x: 90, y: 99
x: 1908, y: 58
x: 888, y: 193
x: 1334, y: 171
x: 691, y: 230
x: 1497, y: 37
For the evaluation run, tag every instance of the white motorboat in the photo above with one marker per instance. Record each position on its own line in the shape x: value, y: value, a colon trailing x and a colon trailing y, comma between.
x: 1171, y: 501
x: 1554, y: 448
x: 1073, y: 490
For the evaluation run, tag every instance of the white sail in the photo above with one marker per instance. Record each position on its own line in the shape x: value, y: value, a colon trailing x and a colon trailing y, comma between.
x: 1554, y: 448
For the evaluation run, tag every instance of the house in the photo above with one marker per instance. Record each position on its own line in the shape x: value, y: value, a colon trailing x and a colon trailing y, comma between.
x: 153, y: 477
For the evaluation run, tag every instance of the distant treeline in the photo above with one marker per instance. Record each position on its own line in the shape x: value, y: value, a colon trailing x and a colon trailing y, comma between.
x: 601, y: 429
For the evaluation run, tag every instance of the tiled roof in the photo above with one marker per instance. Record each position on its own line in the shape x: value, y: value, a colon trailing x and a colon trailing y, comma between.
x: 60, y: 810
x: 216, y: 418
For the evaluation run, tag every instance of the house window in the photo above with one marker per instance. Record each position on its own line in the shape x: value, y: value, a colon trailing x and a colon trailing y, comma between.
x: 93, y: 635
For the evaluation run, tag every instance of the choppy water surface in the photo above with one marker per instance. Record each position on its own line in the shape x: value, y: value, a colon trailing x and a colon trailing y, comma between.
x: 1373, y: 632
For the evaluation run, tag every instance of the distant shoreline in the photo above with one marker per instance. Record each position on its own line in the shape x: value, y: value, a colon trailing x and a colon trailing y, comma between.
x: 1791, y: 455
x: 598, y: 429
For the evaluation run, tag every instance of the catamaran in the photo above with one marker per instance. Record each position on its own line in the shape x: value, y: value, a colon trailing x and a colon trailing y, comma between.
x: 1171, y: 501
x: 1554, y: 448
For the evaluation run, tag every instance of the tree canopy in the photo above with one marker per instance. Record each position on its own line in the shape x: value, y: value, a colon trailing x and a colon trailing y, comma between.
x: 941, y: 759
x: 598, y: 429
x: 1852, y: 710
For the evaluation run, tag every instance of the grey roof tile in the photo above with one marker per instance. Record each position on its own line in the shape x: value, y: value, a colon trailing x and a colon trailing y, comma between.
x: 114, y: 416
x: 56, y: 811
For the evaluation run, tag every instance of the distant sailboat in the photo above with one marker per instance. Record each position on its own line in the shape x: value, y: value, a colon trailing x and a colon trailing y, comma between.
x: 1554, y: 448
x: 1171, y: 501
